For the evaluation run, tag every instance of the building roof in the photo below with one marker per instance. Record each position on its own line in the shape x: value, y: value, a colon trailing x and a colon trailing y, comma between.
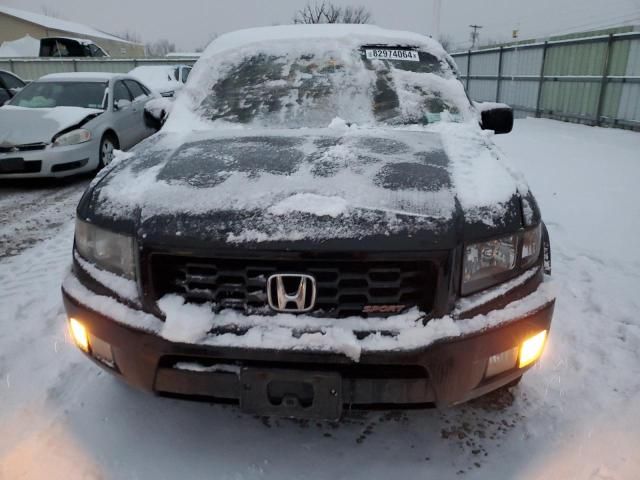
x: 60, y: 25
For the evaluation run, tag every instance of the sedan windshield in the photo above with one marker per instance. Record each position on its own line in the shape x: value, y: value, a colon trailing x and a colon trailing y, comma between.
x: 62, y: 94
x: 371, y: 85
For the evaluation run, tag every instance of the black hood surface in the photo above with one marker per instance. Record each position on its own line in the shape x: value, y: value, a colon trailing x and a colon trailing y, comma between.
x: 400, y: 189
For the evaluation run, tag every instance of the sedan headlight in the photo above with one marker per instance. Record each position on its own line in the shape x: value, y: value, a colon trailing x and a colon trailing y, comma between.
x: 494, y: 261
x: 109, y: 251
x: 74, y: 137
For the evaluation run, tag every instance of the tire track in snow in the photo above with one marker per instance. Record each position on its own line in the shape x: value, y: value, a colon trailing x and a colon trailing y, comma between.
x: 35, y: 211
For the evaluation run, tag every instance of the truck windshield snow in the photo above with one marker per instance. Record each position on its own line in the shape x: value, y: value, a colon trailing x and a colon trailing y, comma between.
x: 379, y: 85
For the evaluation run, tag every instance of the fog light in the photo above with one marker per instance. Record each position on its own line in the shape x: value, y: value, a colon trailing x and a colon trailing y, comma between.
x: 501, y: 362
x: 79, y: 334
x: 531, y: 348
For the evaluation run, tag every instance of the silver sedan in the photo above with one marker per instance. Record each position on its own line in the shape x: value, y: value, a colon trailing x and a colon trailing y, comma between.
x: 64, y: 124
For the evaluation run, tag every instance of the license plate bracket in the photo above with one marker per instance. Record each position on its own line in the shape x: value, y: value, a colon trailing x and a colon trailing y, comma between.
x: 11, y: 164
x: 291, y: 393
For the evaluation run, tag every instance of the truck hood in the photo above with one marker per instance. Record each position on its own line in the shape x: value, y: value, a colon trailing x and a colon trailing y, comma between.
x: 23, y: 126
x: 401, y: 189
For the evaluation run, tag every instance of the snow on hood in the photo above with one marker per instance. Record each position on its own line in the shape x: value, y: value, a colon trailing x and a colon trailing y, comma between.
x: 260, y: 185
x: 21, y: 125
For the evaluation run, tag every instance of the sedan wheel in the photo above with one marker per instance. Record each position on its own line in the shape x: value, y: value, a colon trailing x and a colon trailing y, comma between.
x: 107, y: 146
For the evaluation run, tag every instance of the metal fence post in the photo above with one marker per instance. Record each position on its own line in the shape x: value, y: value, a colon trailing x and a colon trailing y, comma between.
x: 604, y: 80
x: 11, y: 66
x: 541, y: 79
x: 468, y: 68
x: 499, y: 80
x: 75, y: 65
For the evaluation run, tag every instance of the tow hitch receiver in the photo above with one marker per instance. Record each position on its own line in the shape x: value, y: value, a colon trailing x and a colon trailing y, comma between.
x: 291, y: 393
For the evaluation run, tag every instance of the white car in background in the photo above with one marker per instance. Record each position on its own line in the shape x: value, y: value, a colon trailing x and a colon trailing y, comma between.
x: 166, y: 80
x: 69, y: 123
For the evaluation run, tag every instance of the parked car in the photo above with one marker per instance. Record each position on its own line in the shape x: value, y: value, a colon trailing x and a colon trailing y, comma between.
x: 10, y: 84
x: 70, y: 123
x: 70, y: 47
x: 163, y: 79
x: 320, y: 224
x: 58, y: 47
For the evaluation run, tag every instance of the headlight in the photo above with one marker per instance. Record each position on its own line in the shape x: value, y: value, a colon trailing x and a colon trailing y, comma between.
x: 73, y: 137
x: 531, y: 242
x: 486, y: 263
x: 494, y: 261
x: 108, y: 250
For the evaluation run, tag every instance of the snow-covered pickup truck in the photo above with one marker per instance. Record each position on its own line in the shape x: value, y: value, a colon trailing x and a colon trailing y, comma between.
x: 323, y: 223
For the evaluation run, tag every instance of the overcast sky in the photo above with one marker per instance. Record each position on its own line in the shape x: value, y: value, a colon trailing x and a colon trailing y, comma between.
x: 191, y: 23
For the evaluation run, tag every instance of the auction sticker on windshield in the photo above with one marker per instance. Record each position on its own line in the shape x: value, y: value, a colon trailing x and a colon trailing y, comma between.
x: 390, y: 54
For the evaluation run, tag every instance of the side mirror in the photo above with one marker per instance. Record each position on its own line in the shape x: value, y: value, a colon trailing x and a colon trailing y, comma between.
x: 156, y: 112
x: 496, y: 116
x: 121, y: 104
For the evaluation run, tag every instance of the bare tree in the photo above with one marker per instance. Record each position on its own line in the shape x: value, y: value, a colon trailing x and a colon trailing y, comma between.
x: 159, y: 48
x: 311, y: 13
x: 327, y: 12
x: 332, y: 13
x: 356, y: 15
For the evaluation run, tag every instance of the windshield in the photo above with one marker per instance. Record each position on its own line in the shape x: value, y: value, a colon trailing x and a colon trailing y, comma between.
x: 370, y: 85
x: 62, y: 94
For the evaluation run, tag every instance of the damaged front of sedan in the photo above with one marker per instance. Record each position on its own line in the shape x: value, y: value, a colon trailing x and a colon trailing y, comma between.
x: 70, y: 123
x: 321, y: 224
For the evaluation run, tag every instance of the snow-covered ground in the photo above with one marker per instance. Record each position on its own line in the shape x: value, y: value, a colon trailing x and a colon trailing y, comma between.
x: 576, y: 415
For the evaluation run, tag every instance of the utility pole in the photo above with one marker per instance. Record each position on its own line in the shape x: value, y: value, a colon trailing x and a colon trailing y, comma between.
x: 475, y: 34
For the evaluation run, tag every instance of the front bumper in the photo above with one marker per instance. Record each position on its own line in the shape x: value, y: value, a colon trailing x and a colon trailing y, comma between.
x: 443, y: 373
x: 50, y: 161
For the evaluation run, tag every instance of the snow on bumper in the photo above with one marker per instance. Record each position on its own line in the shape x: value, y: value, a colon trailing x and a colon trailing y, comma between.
x: 353, y: 337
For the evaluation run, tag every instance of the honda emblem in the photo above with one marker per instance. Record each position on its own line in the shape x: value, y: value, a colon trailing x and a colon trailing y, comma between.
x: 291, y: 293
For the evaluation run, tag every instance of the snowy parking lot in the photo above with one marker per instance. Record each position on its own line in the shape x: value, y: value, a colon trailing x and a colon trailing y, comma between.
x: 576, y: 415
